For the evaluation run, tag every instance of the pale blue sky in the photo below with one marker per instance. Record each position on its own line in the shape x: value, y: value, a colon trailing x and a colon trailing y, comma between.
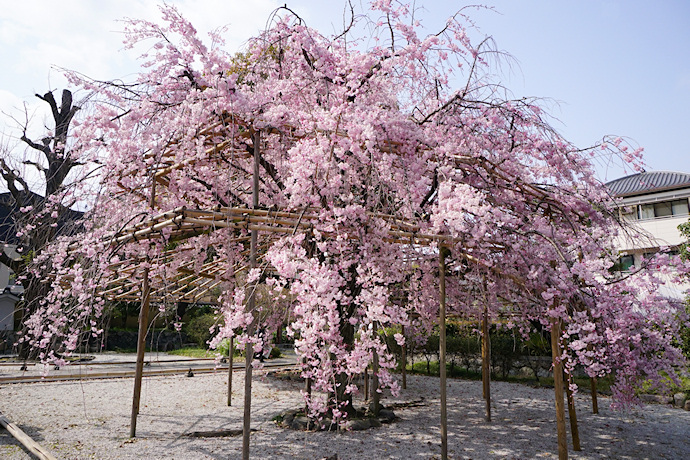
x: 609, y: 67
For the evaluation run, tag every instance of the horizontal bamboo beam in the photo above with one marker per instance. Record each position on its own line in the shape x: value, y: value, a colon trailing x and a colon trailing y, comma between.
x: 31, y: 445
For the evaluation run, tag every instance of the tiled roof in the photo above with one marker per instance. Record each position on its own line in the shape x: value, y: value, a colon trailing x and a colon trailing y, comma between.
x: 648, y: 182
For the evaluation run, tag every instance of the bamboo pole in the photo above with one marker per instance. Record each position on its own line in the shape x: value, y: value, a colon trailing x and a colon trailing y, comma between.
x: 404, y: 360
x: 486, y: 362
x: 251, y: 303
x: 558, y: 387
x: 31, y: 445
x: 572, y: 414
x: 231, y: 352
x: 595, y: 403
x: 141, y: 337
x: 141, y: 348
x: 442, y: 351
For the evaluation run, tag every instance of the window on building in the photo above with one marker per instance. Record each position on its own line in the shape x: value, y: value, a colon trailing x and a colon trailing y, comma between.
x: 648, y: 255
x: 646, y: 211
x: 680, y: 207
x: 629, y: 213
x: 661, y: 209
x: 626, y: 261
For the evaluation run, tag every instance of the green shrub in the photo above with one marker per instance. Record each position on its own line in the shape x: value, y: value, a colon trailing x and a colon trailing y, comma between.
x: 198, y: 329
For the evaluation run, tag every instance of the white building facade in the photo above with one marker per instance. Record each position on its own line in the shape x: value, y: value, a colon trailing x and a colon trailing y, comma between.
x: 654, y: 204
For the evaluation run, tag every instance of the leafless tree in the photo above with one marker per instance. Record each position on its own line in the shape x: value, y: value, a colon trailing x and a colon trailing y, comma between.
x: 33, y: 216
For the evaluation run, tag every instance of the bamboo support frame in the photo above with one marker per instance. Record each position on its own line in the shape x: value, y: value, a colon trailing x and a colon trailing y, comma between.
x: 182, y: 223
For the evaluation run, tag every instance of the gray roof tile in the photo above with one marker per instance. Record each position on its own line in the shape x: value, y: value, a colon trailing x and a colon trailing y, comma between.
x: 648, y: 182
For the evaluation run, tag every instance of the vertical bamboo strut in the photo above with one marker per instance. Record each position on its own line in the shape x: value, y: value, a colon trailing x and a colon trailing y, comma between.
x: 404, y: 360
x: 141, y: 336
x: 375, y: 395
x: 595, y: 403
x: 572, y: 414
x: 251, y: 303
x: 558, y: 387
x: 486, y: 362
x: 141, y: 348
x: 231, y: 352
x: 442, y: 350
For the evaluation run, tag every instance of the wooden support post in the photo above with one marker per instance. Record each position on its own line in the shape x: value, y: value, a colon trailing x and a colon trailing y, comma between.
x: 231, y: 352
x: 486, y: 362
x: 442, y: 350
x: 141, y: 348
x: 404, y: 360
x: 572, y: 414
x: 31, y: 445
x: 558, y: 387
x: 366, y: 383
x: 595, y: 403
x: 251, y: 304
x: 246, y: 419
x: 375, y: 394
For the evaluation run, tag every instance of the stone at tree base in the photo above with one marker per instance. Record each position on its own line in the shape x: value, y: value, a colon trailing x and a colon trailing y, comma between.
x: 679, y: 399
x: 358, y: 424
x: 374, y: 423
x: 300, y: 423
x: 386, y: 416
x: 656, y: 399
x: 687, y: 405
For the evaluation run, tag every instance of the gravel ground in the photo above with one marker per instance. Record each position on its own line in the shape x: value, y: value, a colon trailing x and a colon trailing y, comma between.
x: 90, y: 419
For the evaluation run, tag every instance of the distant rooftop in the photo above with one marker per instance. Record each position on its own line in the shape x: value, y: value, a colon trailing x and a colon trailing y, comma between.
x: 648, y: 182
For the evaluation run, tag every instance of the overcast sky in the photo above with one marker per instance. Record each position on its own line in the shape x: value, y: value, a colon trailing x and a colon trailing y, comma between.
x: 609, y: 67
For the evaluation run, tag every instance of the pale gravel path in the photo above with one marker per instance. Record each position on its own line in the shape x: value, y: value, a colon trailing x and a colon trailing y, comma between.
x: 90, y: 419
